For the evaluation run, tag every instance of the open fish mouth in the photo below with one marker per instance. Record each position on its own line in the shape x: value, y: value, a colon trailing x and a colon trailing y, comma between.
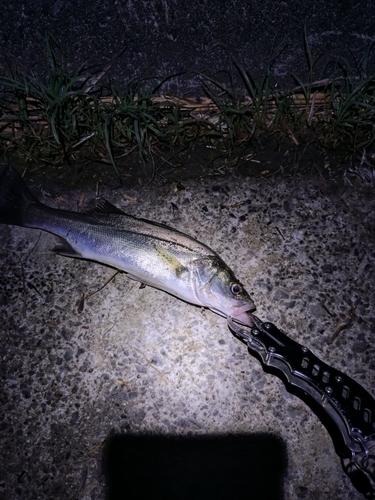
x: 245, y: 318
x: 241, y: 314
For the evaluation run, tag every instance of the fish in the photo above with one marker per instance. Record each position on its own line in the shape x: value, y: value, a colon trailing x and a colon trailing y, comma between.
x: 149, y: 252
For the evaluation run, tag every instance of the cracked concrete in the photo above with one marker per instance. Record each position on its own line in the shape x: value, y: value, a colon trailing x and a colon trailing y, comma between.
x: 139, y: 362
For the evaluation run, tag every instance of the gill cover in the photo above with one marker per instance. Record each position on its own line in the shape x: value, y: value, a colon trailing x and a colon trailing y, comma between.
x: 217, y: 288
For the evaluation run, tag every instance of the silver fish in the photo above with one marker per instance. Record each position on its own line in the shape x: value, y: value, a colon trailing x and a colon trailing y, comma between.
x: 151, y: 253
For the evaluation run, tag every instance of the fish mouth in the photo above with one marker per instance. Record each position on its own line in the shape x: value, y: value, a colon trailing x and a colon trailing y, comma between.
x: 240, y: 314
x: 243, y: 314
x: 246, y: 318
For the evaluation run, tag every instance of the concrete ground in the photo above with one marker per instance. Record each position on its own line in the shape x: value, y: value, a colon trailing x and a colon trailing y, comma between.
x: 143, y: 394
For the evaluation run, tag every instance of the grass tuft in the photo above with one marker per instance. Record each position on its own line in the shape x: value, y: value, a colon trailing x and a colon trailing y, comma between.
x: 64, y: 115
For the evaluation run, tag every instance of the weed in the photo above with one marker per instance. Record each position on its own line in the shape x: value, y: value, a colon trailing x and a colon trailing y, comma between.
x: 55, y: 117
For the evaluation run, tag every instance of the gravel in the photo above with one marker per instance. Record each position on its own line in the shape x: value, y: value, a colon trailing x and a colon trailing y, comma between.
x: 143, y: 394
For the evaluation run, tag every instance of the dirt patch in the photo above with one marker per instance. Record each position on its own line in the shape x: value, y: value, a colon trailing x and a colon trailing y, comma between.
x: 270, y: 156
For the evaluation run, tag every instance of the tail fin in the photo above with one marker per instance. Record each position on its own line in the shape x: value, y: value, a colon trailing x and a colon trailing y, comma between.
x: 15, y: 197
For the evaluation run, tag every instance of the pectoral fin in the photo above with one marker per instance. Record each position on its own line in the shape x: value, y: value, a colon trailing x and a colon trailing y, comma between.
x: 170, y: 261
x: 66, y: 250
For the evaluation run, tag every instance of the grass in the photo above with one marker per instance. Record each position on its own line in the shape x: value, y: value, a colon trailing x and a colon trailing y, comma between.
x: 63, y: 116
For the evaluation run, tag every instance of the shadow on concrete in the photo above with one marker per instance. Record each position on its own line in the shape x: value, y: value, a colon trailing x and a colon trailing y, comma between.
x: 249, y: 466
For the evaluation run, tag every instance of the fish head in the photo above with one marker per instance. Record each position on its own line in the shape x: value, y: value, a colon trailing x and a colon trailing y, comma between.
x: 217, y: 288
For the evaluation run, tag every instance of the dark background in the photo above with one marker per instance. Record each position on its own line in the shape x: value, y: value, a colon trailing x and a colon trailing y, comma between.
x: 172, y: 36
x: 241, y: 467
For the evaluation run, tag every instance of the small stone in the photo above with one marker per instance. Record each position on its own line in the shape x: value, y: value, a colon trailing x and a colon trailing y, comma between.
x: 136, y: 414
x: 317, y: 310
x: 68, y: 355
x: 360, y: 346
x: 327, y: 268
x: 74, y: 417
x: 280, y: 294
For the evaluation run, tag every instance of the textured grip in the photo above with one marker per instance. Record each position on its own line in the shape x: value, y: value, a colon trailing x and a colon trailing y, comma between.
x: 343, y: 399
x: 355, y: 404
x: 350, y: 409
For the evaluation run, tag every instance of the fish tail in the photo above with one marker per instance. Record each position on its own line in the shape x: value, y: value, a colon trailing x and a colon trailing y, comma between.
x: 15, y: 197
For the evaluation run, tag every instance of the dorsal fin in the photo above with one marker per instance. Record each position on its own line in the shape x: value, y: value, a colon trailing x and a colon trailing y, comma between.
x: 105, y: 207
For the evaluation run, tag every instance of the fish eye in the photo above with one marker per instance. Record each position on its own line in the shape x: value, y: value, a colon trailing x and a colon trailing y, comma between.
x: 236, y: 288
